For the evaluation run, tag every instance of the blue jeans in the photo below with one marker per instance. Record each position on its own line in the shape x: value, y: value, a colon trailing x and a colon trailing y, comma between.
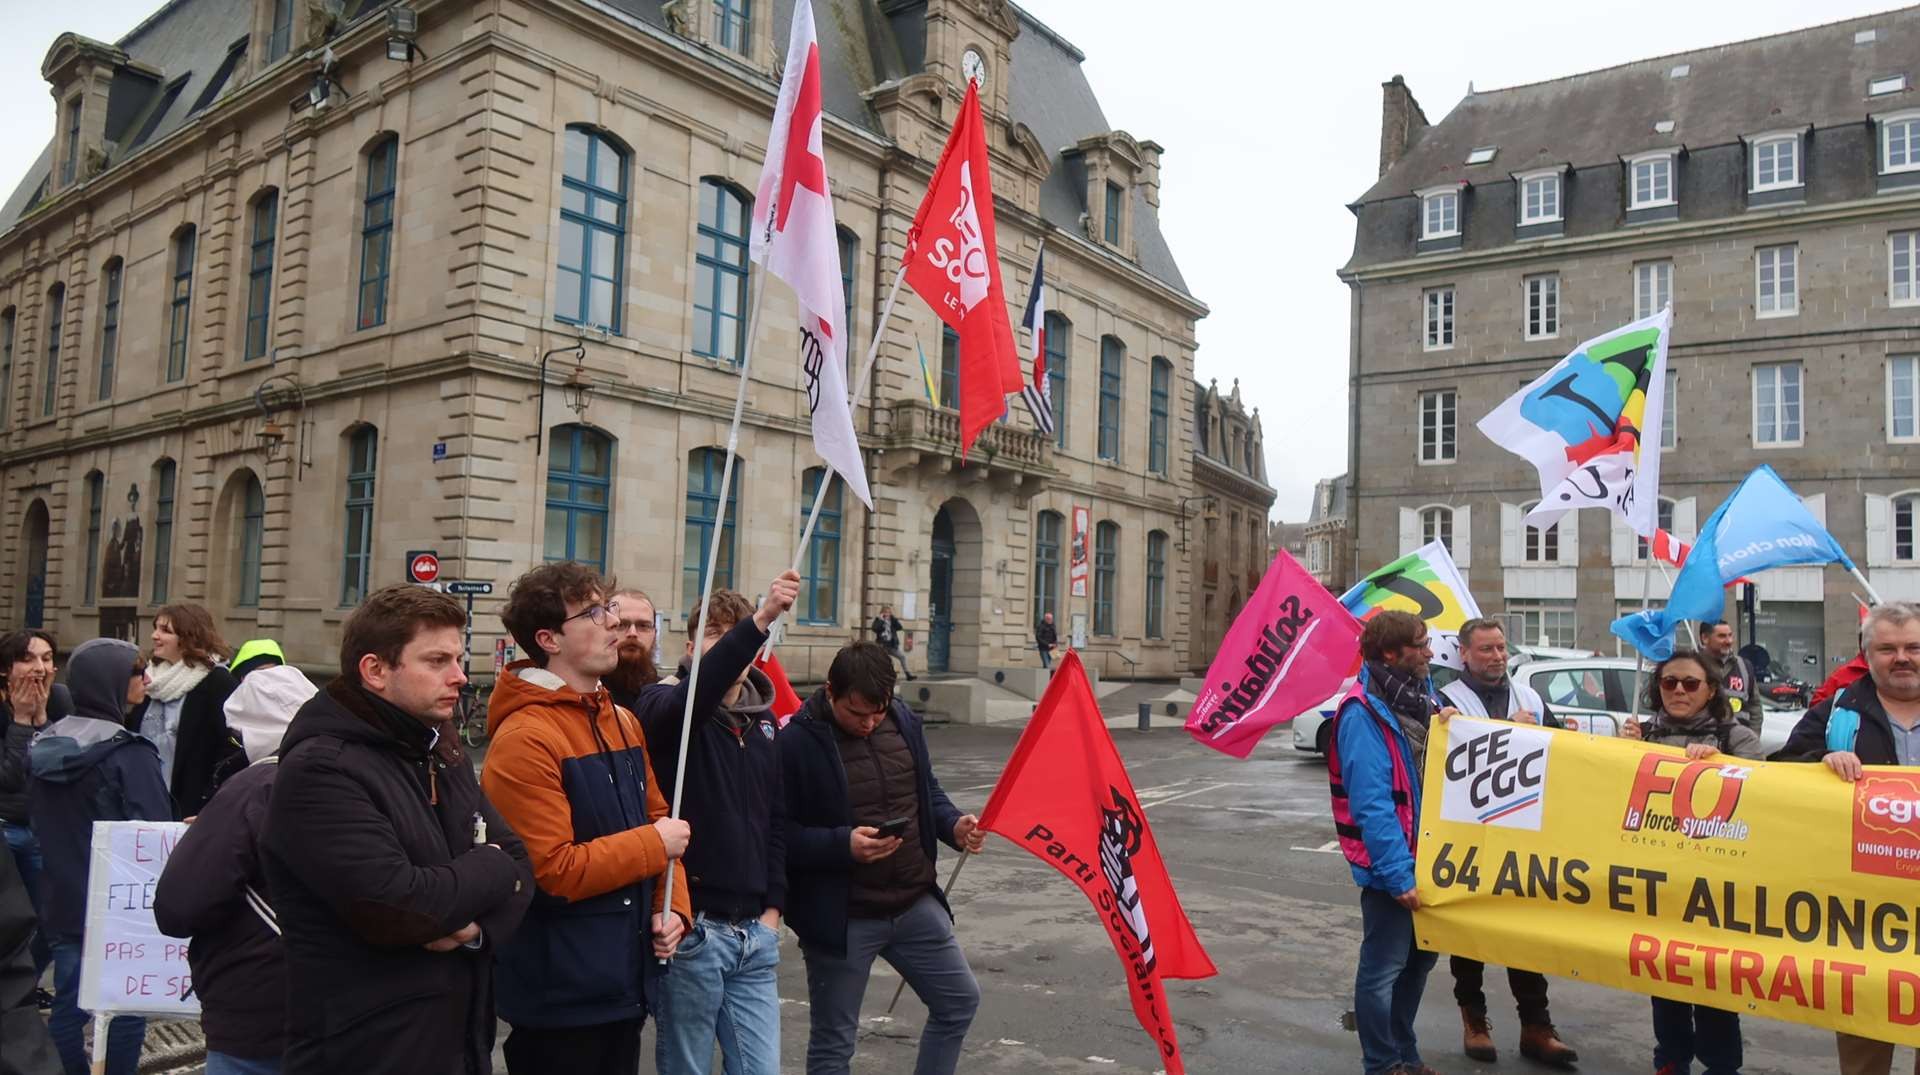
x: 1684, y: 1032
x: 222, y: 1064
x: 68, y: 1025
x: 1046, y: 656
x: 721, y: 984
x: 26, y: 858
x: 1388, y: 984
x: 920, y: 944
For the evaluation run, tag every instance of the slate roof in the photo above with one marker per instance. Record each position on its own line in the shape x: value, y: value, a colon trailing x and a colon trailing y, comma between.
x: 861, y: 44
x: 1815, y: 77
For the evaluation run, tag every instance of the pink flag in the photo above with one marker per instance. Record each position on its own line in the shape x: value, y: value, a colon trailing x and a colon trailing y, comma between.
x: 1289, y: 650
x: 794, y: 237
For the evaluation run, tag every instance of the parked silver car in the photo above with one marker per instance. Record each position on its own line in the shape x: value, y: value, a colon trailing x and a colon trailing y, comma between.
x: 1588, y: 694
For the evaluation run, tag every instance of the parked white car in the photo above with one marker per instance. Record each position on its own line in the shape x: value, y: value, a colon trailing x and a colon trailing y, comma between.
x: 1588, y: 694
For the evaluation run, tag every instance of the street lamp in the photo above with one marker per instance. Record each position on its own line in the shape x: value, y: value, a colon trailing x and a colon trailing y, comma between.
x: 576, y: 391
x: 1202, y: 498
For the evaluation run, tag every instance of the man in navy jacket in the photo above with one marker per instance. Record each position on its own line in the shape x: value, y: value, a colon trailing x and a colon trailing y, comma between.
x: 852, y: 760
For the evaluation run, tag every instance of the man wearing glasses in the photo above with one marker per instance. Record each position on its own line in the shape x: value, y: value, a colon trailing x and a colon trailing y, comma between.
x: 1872, y: 721
x: 569, y: 770
x: 863, y: 813
x: 635, y: 670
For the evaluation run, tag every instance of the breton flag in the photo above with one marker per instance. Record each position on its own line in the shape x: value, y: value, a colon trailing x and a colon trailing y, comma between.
x: 1583, y: 423
x: 953, y: 261
x: 793, y: 236
x: 1065, y: 797
x: 1038, y: 396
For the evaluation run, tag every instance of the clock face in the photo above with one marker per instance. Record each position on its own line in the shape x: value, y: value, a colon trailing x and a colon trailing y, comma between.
x: 972, y: 67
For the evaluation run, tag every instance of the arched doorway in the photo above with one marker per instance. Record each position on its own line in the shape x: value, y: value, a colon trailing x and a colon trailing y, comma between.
x: 953, y: 605
x: 34, y: 572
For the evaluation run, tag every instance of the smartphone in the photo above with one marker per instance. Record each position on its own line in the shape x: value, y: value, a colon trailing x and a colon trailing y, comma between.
x: 896, y: 827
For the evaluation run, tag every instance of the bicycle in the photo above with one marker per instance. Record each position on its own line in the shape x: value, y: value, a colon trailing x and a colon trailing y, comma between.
x: 470, y: 717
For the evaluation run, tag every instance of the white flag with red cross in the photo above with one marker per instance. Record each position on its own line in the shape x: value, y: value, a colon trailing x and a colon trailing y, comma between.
x: 794, y: 237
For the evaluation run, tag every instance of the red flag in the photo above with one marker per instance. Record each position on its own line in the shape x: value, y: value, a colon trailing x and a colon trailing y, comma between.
x: 953, y: 261
x: 785, y: 702
x: 1066, y: 798
x: 1669, y: 549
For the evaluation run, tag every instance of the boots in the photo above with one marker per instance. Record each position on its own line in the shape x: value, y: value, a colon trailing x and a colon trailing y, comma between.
x: 1477, y: 1036
x: 1538, y: 1041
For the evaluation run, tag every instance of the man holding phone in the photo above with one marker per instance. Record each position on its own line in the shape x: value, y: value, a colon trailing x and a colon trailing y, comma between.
x: 864, y: 819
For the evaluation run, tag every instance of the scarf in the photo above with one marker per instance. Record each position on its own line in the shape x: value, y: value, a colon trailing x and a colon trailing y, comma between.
x: 1411, y: 703
x: 171, y: 681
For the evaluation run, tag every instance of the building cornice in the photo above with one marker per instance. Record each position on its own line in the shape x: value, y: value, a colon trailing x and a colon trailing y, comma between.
x: 1650, y: 235
x: 1210, y: 471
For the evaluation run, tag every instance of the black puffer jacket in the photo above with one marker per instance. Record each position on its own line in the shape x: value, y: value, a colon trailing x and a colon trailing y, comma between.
x: 370, y: 856
x: 13, y: 754
x: 239, y: 966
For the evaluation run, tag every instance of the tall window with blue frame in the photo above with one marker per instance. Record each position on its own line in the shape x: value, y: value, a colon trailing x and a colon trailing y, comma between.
x: 111, y: 280
x: 1106, y: 561
x: 733, y: 24
x: 849, y: 259
x: 7, y: 322
x: 266, y: 211
x: 163, y: 481
x: 1059, y: 340
x: 1048, y: 529
x: 820, y: 569
x: 1113, y: 361
x: 356, y: 563
x: 376, y: 231
x: 720, y: 274
x: 56, y: 326
x: 704, y: 467
x: 1158, y: 414
x: 280, y: 34
x: 96, y: 503
x: 1112, y: 230
x: 1157, y: 584
x: 253, y: 531
x: 949, y: 367
x: 180, y: 306
x: 579, y: 494
x: 593, y: 231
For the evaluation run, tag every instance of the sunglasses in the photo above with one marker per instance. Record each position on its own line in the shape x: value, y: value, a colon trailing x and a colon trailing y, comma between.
x: 1682, y: 683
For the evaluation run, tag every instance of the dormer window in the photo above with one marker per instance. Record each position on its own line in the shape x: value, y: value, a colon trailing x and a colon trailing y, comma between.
x: 70, y: 166
x: 1539, y: 197
x: 733, y: 21
x: 1439, y: 213
x: 1114, y: 203
x: 1774, y: 162
x: 1900, y: 142
x: 280, y: 30
x: 1651, y: 181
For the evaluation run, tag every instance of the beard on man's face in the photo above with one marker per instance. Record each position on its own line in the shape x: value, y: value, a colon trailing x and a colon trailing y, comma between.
x: 635, y: 670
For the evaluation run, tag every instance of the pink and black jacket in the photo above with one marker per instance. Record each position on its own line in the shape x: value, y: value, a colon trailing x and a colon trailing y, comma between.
x: 1376, y: 793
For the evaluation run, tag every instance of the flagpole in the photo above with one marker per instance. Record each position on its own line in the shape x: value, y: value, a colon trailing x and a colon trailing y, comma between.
x: 853, y: 402
x: 1872, y: 594
x: 951, y: 878
x: 713, y: 559
x: 1639, y: 658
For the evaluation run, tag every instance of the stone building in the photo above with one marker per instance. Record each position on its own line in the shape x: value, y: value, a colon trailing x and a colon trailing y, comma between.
x: 1329, y: 550
x: 1224, y: 516
x: 301, y: 288
x: 1769, y: 191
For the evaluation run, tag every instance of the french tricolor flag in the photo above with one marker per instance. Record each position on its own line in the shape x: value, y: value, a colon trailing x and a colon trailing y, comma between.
x: 1038, y: 396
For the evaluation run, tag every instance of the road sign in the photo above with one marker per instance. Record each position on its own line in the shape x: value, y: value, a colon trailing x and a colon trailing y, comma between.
x: 439, y: 450
x: 469, y: 589
x: 423, y: 566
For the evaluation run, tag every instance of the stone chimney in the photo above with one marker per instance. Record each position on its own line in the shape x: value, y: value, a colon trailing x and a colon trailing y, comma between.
x: 1150, y: 172
x: 1401, y: 122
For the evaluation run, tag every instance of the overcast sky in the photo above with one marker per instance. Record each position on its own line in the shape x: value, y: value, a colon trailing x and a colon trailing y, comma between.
x: 1270, y: 115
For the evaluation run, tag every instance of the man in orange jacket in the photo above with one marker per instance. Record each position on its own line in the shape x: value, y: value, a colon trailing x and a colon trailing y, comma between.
x: 568, y: 769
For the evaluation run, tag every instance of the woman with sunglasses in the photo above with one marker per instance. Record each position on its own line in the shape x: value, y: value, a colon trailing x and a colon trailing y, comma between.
x: 1690, y: 711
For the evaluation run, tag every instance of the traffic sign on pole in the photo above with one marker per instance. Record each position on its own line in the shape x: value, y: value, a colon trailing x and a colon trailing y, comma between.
x: 423, y: 566
x: 468, y: 589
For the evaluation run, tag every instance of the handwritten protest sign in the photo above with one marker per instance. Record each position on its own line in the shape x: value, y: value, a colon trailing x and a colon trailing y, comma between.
x: 128, y: 966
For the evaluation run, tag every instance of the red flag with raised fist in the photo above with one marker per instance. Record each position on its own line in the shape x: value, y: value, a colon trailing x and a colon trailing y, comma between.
x: 953, y: 261
x: 1066, y: 798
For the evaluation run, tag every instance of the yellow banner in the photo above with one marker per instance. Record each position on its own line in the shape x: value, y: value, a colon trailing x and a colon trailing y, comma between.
x: 1772, y: 889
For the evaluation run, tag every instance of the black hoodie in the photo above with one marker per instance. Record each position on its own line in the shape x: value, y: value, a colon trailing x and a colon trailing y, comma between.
x: 370, y: 855
x: 88, y: 767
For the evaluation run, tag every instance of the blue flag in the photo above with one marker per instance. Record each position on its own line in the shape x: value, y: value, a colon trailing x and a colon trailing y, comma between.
x: 1762, y: 525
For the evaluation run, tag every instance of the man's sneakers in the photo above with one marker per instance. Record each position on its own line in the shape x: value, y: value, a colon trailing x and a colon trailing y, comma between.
x: 1477, y: 1036
x: 1539, y: 1041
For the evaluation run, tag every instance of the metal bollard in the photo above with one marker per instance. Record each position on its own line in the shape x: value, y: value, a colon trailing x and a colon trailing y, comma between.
x: 1146, y: 716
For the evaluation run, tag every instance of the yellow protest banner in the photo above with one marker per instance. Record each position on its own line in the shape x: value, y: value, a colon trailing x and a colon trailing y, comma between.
x: 1773, y: 889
